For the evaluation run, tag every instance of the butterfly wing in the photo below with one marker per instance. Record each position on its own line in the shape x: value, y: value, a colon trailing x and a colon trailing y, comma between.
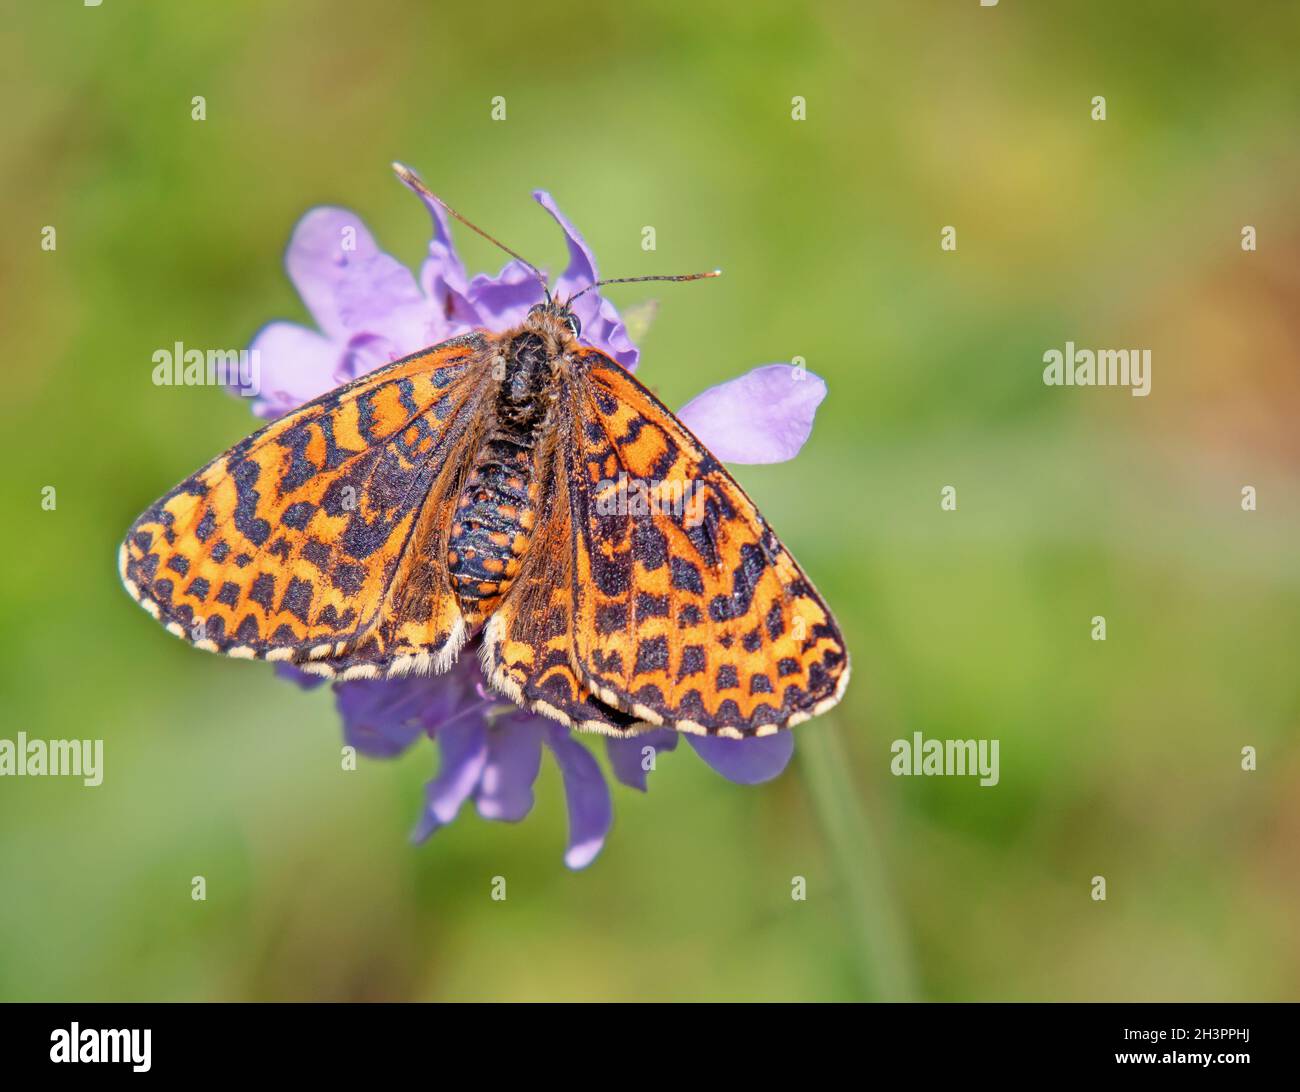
x: 317, y: 539
x: 691, y: 613
x: 528, y: 642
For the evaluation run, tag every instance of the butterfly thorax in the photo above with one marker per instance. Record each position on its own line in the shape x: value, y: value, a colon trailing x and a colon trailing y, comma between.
x: 497, y: 508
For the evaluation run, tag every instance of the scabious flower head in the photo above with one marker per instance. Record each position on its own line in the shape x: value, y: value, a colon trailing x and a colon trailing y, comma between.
x: 370, y: 309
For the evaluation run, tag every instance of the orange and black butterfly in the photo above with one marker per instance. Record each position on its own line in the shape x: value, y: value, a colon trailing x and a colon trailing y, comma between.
x: 461, y: 491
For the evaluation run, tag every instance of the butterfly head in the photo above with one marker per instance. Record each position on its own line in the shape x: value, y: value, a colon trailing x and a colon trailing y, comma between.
x: 553, y: 313
x: 557, y: 314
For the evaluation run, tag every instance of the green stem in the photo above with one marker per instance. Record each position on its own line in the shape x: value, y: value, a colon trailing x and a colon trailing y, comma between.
x: 880, y: 938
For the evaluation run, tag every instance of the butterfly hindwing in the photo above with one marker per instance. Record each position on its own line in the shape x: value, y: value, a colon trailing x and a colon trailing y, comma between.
x: 316, y: 539
x: 687, y: 609
x: 528, y: 642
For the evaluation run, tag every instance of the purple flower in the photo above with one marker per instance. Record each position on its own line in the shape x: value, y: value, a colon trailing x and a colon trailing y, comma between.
x: 370, y: 309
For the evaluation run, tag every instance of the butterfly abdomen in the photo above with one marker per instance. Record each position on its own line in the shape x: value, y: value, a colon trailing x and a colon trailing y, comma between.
x: 497, y: 507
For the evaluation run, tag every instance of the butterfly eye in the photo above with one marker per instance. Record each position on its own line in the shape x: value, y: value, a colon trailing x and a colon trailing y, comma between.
x: 574, y: 324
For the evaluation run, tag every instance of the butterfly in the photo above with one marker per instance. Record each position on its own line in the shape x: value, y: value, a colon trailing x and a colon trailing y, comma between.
x: 471, y: 492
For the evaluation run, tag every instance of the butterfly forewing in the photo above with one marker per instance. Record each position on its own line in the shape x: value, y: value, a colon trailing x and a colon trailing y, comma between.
x: 688, y: 610
x: 318, y: 538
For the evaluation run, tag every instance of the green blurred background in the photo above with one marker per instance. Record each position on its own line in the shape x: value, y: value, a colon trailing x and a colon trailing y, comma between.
x: 1120, y: 759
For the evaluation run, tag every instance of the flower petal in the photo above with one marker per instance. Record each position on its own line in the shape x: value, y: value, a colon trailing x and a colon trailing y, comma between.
x: 582, y: 262
x: 343, y: 277
x: 365, y: 352
x: 628, y: 755
x: 464, y: 748
x: 746, y: 761
x: 381, y: 295
x: 763, y: 416
x: 442, y: 276
x: 294, y: 365
x: 591, y: 811
x: 505, y: 790
x: 603, y: 328
x: 304, y: 680
x: 503, y: 301
x: 382, y: 717
x: 601, y: 325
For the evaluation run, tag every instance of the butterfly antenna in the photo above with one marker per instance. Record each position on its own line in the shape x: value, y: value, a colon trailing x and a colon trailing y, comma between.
x: 632, y: 280
x: 415, y: 182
